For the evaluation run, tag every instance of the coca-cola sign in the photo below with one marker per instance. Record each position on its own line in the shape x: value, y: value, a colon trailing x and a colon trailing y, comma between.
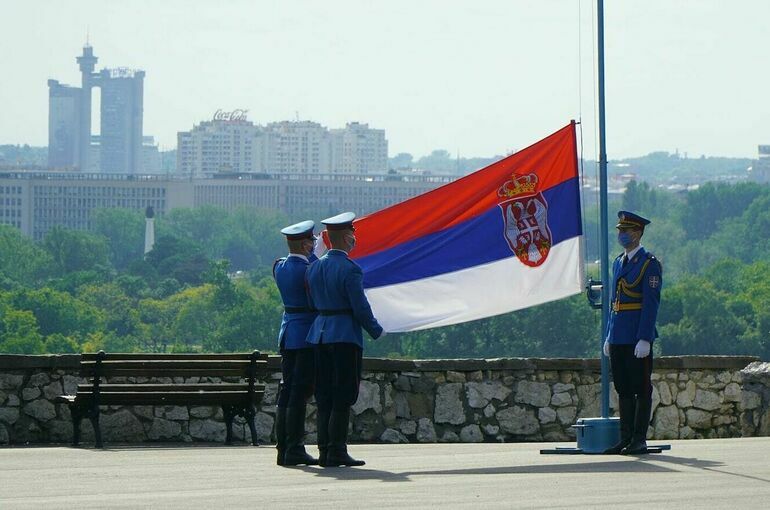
x: 232, y: 116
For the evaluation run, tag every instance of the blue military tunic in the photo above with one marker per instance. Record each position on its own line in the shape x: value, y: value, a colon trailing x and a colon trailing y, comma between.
x: 634, y: 299
x: 335, y: 285
x: 298, y: 316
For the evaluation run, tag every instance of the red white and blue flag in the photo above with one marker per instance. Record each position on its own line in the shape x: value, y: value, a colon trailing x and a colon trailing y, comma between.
x: 503, y: 238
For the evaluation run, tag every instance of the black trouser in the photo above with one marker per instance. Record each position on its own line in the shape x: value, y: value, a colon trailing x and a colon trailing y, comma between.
x: 298, y: 373
x: 338, y: 374
x: 630, y: 374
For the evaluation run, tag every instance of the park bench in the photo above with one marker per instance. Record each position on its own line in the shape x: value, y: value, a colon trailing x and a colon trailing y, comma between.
x: 235, y: 398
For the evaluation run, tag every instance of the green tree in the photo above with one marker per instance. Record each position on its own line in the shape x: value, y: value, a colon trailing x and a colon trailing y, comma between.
x: 73, y: 250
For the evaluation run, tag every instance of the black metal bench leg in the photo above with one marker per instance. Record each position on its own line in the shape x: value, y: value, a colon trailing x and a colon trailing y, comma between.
x: 97, y: 431
x: 229, y: 415
x: 251, y: 420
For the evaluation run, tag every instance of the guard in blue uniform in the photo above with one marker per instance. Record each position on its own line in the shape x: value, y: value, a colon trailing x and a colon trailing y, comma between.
x: 297, y: 357
x: 335, y: 286
x: 634, y: 299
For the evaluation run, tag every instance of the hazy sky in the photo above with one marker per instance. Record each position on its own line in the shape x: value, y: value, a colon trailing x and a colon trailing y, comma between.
x: 480, y: 77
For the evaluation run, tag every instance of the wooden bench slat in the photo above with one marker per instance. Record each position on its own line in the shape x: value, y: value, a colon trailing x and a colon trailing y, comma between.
x: 177, y: 398
x: 112, y: 388
x: 87, y: 357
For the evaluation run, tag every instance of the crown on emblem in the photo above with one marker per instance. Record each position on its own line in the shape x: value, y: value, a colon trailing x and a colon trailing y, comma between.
x: 518, y: 185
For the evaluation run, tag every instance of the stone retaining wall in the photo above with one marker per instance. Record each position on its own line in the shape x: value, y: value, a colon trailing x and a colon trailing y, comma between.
x: 418, y: 401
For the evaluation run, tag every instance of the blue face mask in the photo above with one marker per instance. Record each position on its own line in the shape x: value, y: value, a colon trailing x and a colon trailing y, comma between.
x: 625, y: 239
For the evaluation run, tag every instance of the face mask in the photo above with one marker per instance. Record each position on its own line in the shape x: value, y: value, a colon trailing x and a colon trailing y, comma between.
x: 625, y: 239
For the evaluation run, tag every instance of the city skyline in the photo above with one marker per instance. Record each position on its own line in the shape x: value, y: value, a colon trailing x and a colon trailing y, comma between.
x: 474, y: 80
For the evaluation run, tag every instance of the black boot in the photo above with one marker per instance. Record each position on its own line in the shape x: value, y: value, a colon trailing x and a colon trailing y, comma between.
x: 322, y: 427
x: 337, y: 455
x: 641, y: 422
x: 626, y: 408
x: 295, y: 438
x: 280, y: 434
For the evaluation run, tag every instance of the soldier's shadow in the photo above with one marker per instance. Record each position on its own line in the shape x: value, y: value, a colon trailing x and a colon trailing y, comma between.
x: 355, y: 473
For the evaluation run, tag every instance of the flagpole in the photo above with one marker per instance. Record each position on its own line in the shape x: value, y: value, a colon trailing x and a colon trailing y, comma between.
x: 604, y: 226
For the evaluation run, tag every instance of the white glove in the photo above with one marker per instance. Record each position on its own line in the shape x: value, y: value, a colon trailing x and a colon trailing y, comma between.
x: 606, y: 348
x: 642, y: 349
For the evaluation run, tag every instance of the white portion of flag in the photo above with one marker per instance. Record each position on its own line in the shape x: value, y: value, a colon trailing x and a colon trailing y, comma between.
x: 480, y: 291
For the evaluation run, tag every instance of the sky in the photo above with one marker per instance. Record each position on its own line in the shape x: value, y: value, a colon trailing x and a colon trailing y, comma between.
x: 476, y: 78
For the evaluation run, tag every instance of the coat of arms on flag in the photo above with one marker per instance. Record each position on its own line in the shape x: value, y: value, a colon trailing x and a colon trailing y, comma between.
x: 526, y: 219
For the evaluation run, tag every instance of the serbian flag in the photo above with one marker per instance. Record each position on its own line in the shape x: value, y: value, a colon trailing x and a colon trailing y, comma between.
x: 503, y: 238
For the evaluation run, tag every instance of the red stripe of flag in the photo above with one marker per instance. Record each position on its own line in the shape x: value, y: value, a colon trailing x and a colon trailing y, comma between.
x: 552, y: 159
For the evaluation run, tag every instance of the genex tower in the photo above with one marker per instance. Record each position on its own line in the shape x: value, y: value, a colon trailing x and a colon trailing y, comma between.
x: 69, y: 120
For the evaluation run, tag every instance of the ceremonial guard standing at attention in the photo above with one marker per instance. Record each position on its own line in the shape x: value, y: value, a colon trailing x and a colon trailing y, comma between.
x: 335, y: 285
x: 634, y: 299
x: 297, y: 357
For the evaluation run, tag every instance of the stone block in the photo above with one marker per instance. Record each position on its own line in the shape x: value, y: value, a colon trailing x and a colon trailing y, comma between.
x: 207, y: 430
x: 562, y: 388
x: 664, y: 392
x: 39, y: 379
x: 10, y: 381
x: 491, y: 430
x: 408, y: 427
x: 402, y: 383
x: 202, y: 411
x: 393, y: 436
x: 164, y: 429
x: 546, y: 415
x: 449, y: 407
x: 686, y: 395
x: 476, y: 376
x: 30, y: 393
x: 455, y: 377
x: 368, y: 398
x: 666, y: 423
x: 264, y: 425
x: 561, y: 400
x: 518, y: 420
x: 144, y: 412
x: 686, y: 433
x: 53, y: 390
x: 5, y: 438
x: 480, y: 394
x: 449, y: 437
x: 426, y: 432
x: 121, y: 426
x: 537, y: 394
x: 401, y: 405
x: 9, y: 415
x: 41, y: 410
x: 698, y: 419
x: 707, y: 400
x: 566, y: 415
x: 176, y: 413
x: 489, y: 411
x: 732, y: 392
x: 750, y: 400
x: 471, y: 434
x: 565, y: 377
x: 423, y: 384
x: 70, y: 383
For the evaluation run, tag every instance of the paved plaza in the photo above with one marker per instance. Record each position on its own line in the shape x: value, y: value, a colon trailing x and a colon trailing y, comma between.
x: 725, y: 473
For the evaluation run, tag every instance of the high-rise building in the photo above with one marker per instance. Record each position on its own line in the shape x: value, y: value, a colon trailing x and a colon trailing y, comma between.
x: 359, y: 149
x: 230, y: 143
x: 69, y: 119
x: 121, y: 119
x: 221, y: 145
x: 301, y: 147
x: 63, y: 125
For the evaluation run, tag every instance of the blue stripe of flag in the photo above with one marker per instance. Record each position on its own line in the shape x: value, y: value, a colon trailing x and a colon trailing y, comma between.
x: 478, y: 241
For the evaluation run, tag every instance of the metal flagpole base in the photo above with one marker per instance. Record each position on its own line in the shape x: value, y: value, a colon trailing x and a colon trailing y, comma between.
x: 595, y: 435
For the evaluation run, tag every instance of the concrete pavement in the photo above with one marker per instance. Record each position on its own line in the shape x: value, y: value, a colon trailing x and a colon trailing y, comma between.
x: 725, y: 473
